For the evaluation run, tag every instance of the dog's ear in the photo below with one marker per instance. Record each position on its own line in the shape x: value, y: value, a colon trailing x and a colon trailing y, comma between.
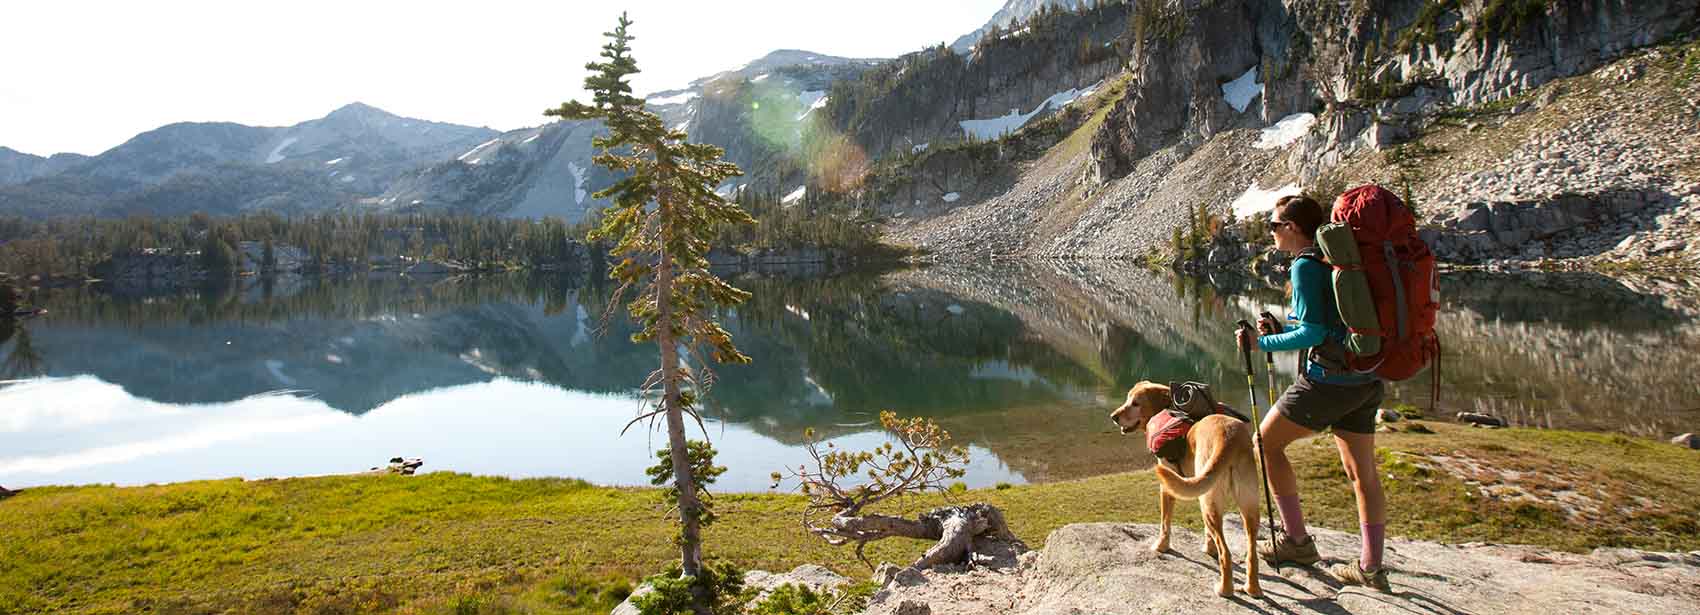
x: 1163, y: 398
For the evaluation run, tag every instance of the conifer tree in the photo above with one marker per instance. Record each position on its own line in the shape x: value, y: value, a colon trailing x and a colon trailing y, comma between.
x: 663, y: 214
x: 217, y: 256
x: 268, y: 258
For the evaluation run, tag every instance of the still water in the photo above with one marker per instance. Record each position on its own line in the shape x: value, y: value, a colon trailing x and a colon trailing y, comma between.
x: 522, y: 376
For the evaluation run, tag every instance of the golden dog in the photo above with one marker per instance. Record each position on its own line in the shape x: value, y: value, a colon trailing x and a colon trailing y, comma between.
x: 1219, y: 469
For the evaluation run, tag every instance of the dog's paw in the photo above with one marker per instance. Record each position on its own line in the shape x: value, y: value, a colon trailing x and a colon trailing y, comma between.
x: 1254, y: 591
x: 1160, y: 545
x: 1225, y: 591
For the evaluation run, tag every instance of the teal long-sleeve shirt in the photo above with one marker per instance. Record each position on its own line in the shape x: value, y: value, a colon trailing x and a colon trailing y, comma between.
x: 1315, y: 320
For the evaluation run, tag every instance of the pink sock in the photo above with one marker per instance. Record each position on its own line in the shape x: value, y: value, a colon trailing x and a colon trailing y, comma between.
x: 1292, y: 518
x: 1375, y: 536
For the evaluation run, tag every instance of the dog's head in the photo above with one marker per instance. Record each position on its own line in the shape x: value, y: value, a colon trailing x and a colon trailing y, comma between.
x: 1144, y: 400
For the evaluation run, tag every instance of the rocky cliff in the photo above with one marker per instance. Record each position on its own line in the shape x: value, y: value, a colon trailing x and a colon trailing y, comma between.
x: 939, y: 95
x: 1009, y: 17
x: 532, y: 172
x: 1232, y: 102
x: 1522, y: 130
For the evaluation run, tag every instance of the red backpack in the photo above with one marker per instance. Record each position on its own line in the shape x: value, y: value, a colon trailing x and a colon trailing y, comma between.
x: 1400, y: 272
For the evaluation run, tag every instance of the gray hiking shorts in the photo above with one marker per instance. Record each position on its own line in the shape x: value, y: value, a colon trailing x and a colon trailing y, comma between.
x: 1317, y: 406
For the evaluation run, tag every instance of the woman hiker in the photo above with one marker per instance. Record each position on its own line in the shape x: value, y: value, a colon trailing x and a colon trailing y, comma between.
x: 1322, y: 397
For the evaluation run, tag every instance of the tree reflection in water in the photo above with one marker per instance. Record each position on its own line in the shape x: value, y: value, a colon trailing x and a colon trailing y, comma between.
x: 22, y: 360
x: 1025, y: 360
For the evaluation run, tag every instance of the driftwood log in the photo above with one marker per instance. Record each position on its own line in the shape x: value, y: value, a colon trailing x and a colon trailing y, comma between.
x: 962, y: 532
x: 1480, y: 420
x: 399, y: 465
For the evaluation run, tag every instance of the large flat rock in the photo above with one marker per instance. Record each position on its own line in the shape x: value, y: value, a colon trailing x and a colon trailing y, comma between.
x: 1109, y: 568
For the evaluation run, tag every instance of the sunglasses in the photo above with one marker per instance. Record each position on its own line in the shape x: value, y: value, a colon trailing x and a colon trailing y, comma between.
x: 1275, y: 225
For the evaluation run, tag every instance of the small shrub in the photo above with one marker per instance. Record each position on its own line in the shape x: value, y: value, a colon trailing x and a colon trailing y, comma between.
x: 1327, y: 188
x: 469, y: 605
x: 583, y: 592
x: 1690, y: 65
x: 1425, y: 30
x: 789, y: 599
x: 721, y: 585
x: 1002, y: 486
x: 1507, y: 17
x: 1407, y: 410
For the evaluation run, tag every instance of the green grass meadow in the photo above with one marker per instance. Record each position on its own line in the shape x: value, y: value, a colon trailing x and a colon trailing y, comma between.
x: 452, y: 543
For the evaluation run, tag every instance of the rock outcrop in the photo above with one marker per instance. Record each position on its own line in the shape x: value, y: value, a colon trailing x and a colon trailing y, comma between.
x: 1110, y: 568
x: 1208, y: 80
x: 922, y: 98
x: 1606, y: 173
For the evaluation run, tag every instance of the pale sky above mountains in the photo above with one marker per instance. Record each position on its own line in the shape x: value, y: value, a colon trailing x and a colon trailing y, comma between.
x: 85, y: 75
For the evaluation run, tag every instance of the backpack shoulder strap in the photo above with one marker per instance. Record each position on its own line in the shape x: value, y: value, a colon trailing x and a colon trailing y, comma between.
x: 1313, y: 253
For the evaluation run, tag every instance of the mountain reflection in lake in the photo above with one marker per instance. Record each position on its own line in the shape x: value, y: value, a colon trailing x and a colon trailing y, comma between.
x: 509, y: 375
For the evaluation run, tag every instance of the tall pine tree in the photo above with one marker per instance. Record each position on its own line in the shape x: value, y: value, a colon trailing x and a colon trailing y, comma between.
x: 268, y: 258
x: 663, y: 214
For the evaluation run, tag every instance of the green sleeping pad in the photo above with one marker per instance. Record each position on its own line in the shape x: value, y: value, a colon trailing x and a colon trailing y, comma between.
x: 1351, y: 288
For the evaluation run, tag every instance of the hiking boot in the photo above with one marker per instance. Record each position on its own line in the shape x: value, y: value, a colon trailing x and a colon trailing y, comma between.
x: 1350, y: 574
x: 1302, y: 551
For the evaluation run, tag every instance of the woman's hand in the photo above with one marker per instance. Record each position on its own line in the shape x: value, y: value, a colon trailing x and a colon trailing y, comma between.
x: 1246, y: 340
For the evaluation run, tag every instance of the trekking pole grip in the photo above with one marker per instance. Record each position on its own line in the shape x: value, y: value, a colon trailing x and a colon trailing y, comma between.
x: 1245, y: 353
x: 1269, y: 357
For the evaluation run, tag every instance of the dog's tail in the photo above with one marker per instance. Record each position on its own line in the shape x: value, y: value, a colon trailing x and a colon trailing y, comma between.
x: 1191, y: 488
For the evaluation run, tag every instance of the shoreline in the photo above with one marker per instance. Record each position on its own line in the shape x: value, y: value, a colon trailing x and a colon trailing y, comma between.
x: 413, y: 544
x: 1144, y: 464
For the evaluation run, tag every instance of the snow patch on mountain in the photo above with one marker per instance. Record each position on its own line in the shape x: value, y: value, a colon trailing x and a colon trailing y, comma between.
x: 578, y: 181
x: 811, y: 99
x: 476, y: 150
x: 1239, y: 92
x: 987, y: 130
x: 676, y: 99
x: 1257, y: 200
x: 795, y: 195
x: 277, y: 152
x: 1286, y: 131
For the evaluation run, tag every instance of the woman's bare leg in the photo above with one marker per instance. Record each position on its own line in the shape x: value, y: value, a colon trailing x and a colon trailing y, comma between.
x: 1357, y: 454
x: 1277, y: 432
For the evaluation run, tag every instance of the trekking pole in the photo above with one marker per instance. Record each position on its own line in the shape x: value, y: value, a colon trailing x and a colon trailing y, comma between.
x: 1256, y: 428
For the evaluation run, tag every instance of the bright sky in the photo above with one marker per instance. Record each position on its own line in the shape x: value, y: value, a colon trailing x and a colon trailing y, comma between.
x: 86, y: 75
